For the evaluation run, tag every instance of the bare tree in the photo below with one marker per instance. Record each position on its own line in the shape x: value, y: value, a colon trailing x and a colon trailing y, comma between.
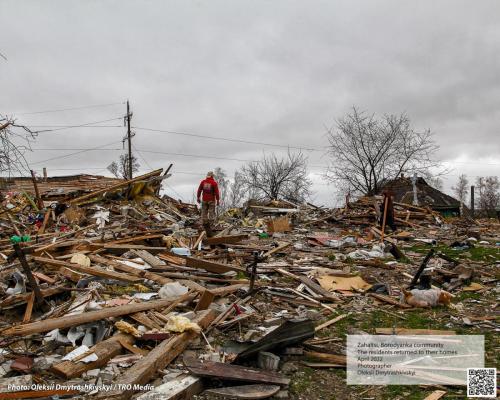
x: 236, y: 193
x: 366, y: 151
x: 434, y: 180
x: 120, y: 168
x: 275, y: 178
x: 461, y: 189
x: 15, y: 141
x: 221, y: 177
x: 489, y: 194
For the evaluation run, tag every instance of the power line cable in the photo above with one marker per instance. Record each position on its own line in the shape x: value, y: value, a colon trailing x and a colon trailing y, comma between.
x: 209, y: 157
x: 194, y: 155
x: 71, y: 108
x: 267, y: 144
x: 227, y: 139
x: 143, y: 159
x: 175, y: 191
x: 74, y: 169
x: 78, y: 152
x: 79, y: 125
x: 74, y: 126
x: 67, y: 149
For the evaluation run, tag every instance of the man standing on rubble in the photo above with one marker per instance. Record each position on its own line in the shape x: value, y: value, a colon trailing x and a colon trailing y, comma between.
x: 209, y: 192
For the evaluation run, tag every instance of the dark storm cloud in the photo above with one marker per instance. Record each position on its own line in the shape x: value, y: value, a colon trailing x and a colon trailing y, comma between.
x: 270, y: 71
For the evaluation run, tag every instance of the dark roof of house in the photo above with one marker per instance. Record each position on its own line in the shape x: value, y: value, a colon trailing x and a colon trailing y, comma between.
x: 402, y: 190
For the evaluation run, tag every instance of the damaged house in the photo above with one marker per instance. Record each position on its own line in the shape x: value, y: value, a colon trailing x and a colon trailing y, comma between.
x: 416, y: 191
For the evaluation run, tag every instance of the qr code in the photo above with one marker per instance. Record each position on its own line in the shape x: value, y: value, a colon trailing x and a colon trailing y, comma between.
x: 481, y: 382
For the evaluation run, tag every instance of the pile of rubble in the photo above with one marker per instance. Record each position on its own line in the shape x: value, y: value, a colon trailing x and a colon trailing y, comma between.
x: 116, y: 292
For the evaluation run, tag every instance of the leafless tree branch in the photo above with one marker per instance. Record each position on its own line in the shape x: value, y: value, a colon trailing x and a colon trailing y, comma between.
x: 366, y: 151
x: 275, y: 178
x: 15, y: 141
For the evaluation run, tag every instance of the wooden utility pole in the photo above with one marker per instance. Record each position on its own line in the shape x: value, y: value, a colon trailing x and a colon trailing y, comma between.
x: 129, y: 138
x: 472, y: 201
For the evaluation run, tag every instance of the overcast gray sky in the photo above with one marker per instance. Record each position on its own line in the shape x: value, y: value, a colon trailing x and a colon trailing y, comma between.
x: 276, y: 72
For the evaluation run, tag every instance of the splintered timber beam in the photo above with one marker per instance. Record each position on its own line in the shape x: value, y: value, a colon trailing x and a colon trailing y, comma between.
x: 89, y: 270
x: 142, y: 273
x: 408, y: 331
x: 115, y: 187
x: 281, y: 247
x: 104, y: 351
x: 212, y: 266
x: 225, y: 239
x: 79, y: 319
x: 235, y: 372
x: 145, y: 369
x: 310, y: 284
x: 331, y: 358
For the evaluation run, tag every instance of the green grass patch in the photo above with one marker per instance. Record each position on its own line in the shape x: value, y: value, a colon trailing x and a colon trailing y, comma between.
x: 302, y: 380
x: 478, y: 253
x: 241, y: 275
x: 402, y: 392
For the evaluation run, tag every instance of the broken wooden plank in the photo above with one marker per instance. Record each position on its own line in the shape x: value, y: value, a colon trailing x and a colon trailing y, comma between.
x: 45, y: 221
x: 287, y: 334
x: 310, y: 284
x: 281, y: 247
x: 149, y: 258
x: 408, y: 331
x: 142, y: 273
x: 69, y: 274
x: 137, y: 238
x: 29, y: 307
x: 172, y: 258
x: 79, y: 319
x: 104, y: 351
x: 321, y: 364
x: 436, y: 395
x: 224, y: 290
x: 330, y: 358
x: 198, y: 241
x: 89, y: 270
x: 231, y: 239
x: 235, y: 372
x: 212, y: 266
x: 146, y: 368
x: 112, y: 188
x: 44, y: 277
x: 205, y: 300
x: 387, y: 299
x: 253, y: 392
x: 126, y: 247
x: 143, y: 319
x: 132, y: 348
x: 281, y: 224
x: 183, y: 387
x: 330, y: 322
x: 18, y: 299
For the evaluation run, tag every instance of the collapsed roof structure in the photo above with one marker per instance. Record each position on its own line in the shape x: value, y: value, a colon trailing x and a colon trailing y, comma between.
x: 416, y: 191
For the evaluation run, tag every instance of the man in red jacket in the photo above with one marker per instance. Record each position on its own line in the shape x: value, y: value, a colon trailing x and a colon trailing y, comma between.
x: 209, y: 192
